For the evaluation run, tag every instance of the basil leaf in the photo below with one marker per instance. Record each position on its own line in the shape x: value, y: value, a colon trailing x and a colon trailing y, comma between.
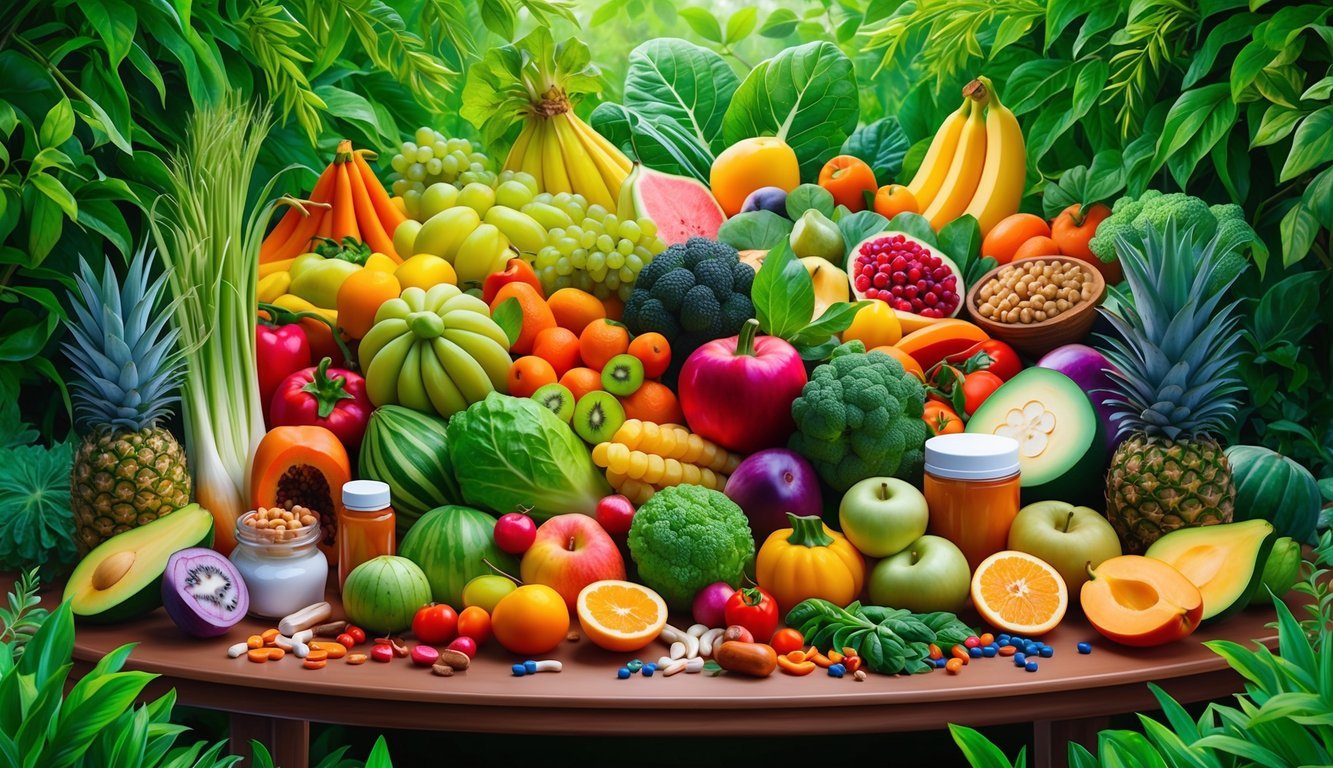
x: 882, y: 145
x: 835, y: 319
x: 783, y: 293
x: 755, y: 230
x: 806, y: 96
x: 807, y: 196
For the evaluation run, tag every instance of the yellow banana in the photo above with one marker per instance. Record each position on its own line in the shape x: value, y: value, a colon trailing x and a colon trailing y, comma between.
x: 443, y: 392
x: 380, y: 334
x: 493, y: 358
x: 611, y: 151
x: 478, y: 323
x: 548, y: 216
x: 273, y: 286
x: 584, y: 178
x: 523, y: 231
x: 1001, y: 187
x: 935, y: 165
x: 483, y: 252
x: 554, y: 173
x: 467, y: 373
x: 411, y: 389
x: 531, y: 163
x: 385, y: 368
x: 439, y: 295
x: 514, y: 160
x: 466, y: 302
x: 611, y: 173
x: 960, y: 185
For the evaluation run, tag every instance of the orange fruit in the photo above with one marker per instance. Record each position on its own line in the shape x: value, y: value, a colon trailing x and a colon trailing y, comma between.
x: 654, y: 351
x: 893, y: 199
x: 1007, y: 236
x: 908, y: 362
x: 653, y: 401
x: 620, y: 616
x: 531, y: 620
x: 537, y: 315
x: 580, y: 381
x: 614, y: 307
x: 601, y: 341
x: 1019, y: 593
x: 876, y: 325
x: 527, y: 374
x: 747, y: 165
x: 559, y: 347
x: 574, y: 309
x: 360, y: 297
x: 1037, y: 247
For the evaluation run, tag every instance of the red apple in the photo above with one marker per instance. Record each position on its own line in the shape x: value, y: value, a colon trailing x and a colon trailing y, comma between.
x: 615, y: 512
x: 571, y: 552
x: 514, y: 533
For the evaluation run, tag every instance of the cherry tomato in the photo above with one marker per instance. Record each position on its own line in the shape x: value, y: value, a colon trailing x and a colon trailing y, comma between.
x: 345, y: 640
x: 358, y: 634
x: 787, y: 640
x: 475, y: 622
x: 1003, y: 361
x: 850, y: 181
x: 941, y: 419
x: 977, y: 387
x: 435, y: 623
x: 755, y: 609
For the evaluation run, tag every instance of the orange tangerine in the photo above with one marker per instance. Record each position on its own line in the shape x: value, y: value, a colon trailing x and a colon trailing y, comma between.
x: 531, y: 620
x: 621, y: 616
x: 1019, y: 593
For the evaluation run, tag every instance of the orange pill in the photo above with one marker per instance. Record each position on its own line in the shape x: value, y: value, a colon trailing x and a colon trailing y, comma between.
x: 986, y: 639
x: 334, y: 650
x: 954, y: 666
x: 275, y: 653
x: 935, y: 652
x: 257, y: 655
x: 959, y: 652
x: 317, y: 654
x: 314, y: 663
x: 255, y: 641
x: 270, y: 636
x: 356, y: 658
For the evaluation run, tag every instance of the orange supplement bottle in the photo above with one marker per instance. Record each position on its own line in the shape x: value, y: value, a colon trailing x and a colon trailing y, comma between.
x: 971, y: 486
x: 366, y: 525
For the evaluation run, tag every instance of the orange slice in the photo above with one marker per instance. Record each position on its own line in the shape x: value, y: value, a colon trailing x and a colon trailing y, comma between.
x: 621, y: 615
x: 1019, y: 593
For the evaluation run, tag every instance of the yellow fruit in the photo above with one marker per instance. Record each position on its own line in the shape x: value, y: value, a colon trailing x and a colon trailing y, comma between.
x: 444, y: 233
x: 1001, y: 187
x: 1017, y: 592
x: 621, y: 616
x: 378, y: 262
x: 405, y: 235
x: 747, y: 165
x: 875, y: 326
x: 424, y: 271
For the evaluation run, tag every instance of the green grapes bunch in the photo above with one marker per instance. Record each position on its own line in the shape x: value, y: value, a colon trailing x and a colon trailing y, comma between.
x: 432, y: 157
x: 590, y: 248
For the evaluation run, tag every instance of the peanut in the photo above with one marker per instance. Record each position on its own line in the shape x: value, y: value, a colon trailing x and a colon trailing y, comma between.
x: 1033, y: 290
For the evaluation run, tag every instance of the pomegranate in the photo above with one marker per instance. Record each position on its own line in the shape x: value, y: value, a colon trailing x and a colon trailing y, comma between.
x: 907, y: 274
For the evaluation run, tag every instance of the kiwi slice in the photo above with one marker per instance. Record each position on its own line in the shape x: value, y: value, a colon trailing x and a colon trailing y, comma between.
x: 557, y: 398
x: 597, y: 417
x: 622, y: 375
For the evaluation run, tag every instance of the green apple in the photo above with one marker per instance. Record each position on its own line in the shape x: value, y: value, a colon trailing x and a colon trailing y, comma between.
x: 486, y: 591
x: 930, y: 574
x: 882, y: 515
x: 1070, y: 538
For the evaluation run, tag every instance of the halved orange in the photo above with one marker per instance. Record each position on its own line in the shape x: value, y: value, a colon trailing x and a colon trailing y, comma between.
x: 1019, y: 593
x: 621, y: 615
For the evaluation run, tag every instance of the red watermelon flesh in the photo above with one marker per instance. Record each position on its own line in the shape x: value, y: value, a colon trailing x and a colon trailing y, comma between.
x: 681, y: 207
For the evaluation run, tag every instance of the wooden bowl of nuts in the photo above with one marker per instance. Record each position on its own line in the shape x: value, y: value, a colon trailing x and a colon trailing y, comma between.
x: 1035, y: 305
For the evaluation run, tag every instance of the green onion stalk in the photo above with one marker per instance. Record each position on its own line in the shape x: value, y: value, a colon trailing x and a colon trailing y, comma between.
x: 208, y: 234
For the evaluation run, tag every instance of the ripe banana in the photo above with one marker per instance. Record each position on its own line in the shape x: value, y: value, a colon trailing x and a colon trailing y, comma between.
x: 960, y: 185
x: 443, y: 392
x: 385, y: 330
x: 466, y: 301
x: 384, y: 369
x: 554, y: 173
x: 493, y: 358
x: 611, y: 151
x: 273, y: 286
x: 467, y: 373
x: 483, y: 252
x: 1000, y: 189
x: 935, y: 166
x: 531, y: 163
x: 613, y: 168
x: 514, y: 160
x: 411, y: 389
x: 438, y: 296
x: 524, y: 232
x: 584, y: 178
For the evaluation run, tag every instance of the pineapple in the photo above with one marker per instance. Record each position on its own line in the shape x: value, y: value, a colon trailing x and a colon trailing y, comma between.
x: 1176, y: 390
x: 128, y: 470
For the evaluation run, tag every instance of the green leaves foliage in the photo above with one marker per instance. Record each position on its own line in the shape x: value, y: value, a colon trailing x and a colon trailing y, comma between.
x: 891, y: 641
x: 36, y: 524
x: 882, y: 145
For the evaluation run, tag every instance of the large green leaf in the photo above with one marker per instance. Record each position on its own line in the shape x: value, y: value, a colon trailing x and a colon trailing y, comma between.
x: 1033, y: 83
x: 1233, y: 29
x: 1197, y: 120
x: 672, y: 79
x: 978, y: 749
x: 1312, y: 212
x: 882, y: 145
x: 663, y: 147
x: 116, y: 25
x: 806, y: 96
x: 1312, y: 146
x: 783, y: 293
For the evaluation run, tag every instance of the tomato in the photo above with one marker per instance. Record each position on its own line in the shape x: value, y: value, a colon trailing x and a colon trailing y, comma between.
x: 1010, y: 233
x: 977, y: 387
x: 755, y: 609
x: 435, y: 623
x: 1036, y: 247
x: 787, y: 640
x: 941, y: 419
x: 475, y: 622
x: 850, y: 181
x: 1001, y: 359
x: 1074, y: 227
x: 893, y: 199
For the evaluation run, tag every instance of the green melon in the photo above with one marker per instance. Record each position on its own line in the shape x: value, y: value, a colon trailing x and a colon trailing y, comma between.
x: 407, y: 450
x: 1272, y: 487
x: 382, y: 595
x: 451, y: 544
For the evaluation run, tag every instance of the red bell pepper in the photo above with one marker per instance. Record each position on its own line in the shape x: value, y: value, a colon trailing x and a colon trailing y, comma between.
x: 755, y: 609
x: 280, y: 351
x: 333, y: 398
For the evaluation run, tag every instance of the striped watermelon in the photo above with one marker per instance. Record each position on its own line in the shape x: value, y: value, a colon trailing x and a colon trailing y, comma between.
x: 407, y: 450
x: 450, y: 544
x: 1275, y: 488
x: 383, y: 594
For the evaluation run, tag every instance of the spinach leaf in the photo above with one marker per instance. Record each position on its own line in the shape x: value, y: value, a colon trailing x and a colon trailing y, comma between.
x: 882, y: 144
x: 915, y: 225
x: 856, y: 227
x: 783, y: 294
x: 806, y: 96
x: 760, y: 230
x: 807, y: 196
x: 674, y: 80
x: 663, y: 146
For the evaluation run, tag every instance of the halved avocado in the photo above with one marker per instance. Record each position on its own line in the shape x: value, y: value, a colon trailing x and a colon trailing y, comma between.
x: 122, y: 578
x: 1226, y: 561
x: 1061, y: 451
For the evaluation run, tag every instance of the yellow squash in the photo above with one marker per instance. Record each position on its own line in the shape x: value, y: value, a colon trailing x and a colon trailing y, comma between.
x: 809, y: 560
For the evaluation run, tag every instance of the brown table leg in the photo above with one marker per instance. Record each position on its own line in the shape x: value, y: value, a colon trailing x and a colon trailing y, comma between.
x: 1051, y: 739
x: 288, y: 741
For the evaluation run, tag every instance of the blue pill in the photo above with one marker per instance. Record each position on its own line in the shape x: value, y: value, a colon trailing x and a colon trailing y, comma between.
x: 530, y: 667
x: 519, y: 670
x: 1032, y: 649
x: 634, y: 666
x: 1031, y: 666
x: 1085, y: 648
x: 939, y: 663
x: 974, y: 652
x: 1019, y: 659
x: 623, y: 673
x: 989, y: 651
x: 648, y: 670
x: 1047, y: 651
x: 836, y: 670
x: 1002, y: 639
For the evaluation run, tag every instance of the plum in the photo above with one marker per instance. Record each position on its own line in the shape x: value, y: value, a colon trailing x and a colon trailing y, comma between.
x: 767, y: 199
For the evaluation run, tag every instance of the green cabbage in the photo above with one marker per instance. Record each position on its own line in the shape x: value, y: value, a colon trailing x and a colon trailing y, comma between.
x: 512, y: 455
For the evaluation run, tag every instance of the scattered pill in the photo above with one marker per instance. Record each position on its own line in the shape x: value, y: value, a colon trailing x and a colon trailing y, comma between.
x: 986, y: 638
x: 974, y: 652
x: 859, y: 675
x: 675, y: 667
x: 1031, y: 666
x: 836, y: 670
x: 1020, y: 659
x: 1085, y: 648
x: 237, y: 650
x: 989, y: 651
x: 308, y: 664
x: 519, y: 670
x: 353, y: 658
x: 530, y: 667
x: 257, y: 655
x: 954, y: 666
x: 1047, y: 651
x: 546, y: 665
x: 634, y: 666
x: 1007, y: 650
x: 623, y: 673
x: 972, y: 642
x: 649, y: 669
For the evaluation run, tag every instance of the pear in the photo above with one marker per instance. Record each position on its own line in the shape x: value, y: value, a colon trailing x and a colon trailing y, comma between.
x: 816, y: 235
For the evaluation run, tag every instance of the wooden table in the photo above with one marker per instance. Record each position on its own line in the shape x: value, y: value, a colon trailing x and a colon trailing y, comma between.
x: 1069, y: 698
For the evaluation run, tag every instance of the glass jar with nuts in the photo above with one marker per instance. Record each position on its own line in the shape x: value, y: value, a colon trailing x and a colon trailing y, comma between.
x: 1033, y: 291
x: 278, y: 556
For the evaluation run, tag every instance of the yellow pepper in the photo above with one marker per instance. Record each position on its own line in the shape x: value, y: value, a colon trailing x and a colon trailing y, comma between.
x: 273, y: 286
x: 378, y: 262
x: 809, y: 560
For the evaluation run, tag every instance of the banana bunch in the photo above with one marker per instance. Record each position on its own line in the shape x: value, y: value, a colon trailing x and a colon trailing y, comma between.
x: 478, y: 244
x: 566, y: 155
x: 435, y: 350
x: 976, y: 164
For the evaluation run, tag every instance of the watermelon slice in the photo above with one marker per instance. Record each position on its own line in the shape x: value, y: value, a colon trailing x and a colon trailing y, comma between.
x: 681, y: 207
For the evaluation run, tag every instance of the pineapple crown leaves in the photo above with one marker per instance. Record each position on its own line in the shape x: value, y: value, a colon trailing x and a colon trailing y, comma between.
x: 1177, y: 353
x: 125, y: 355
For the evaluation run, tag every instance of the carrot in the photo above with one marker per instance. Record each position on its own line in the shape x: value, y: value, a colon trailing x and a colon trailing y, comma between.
x: 292, y: 219
x: 372, y: 230
x: 390, y: 215
x: 344, y: 211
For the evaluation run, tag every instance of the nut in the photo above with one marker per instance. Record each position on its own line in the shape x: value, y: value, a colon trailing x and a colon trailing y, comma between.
x: 443, y: 670
x: 1033, y: 290
x: 454, y: 659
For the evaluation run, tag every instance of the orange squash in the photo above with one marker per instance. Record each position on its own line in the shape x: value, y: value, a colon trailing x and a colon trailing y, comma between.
x: 940, y: 339
x: 306, y: 466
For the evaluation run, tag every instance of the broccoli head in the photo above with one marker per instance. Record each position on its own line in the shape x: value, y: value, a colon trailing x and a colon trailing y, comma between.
x: 686, y: 537
x: 859, y: 416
